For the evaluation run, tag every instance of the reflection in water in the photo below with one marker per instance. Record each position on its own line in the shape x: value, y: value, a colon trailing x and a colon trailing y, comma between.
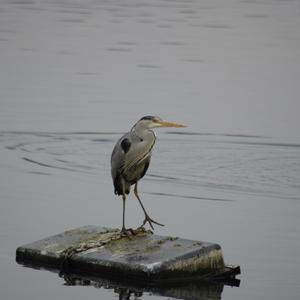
x: 127, y: 290
x: 190, y: 291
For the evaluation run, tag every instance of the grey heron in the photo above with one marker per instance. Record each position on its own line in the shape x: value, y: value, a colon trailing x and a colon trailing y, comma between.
x: 130, y: 160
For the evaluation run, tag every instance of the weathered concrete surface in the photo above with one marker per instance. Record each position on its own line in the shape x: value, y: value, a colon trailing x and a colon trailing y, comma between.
x: 143, y: 256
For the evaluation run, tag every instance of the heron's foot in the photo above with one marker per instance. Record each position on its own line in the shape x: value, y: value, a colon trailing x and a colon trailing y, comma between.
x: 142, y: 230
x: 151, y: 222
x: 127, y: 231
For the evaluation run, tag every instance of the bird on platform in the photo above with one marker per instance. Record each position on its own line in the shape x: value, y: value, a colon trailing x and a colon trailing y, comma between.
x: 130, y: 160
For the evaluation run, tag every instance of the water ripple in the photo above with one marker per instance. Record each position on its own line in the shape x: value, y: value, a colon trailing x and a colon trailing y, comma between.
x: 188, y: 197
x: 235, y: 164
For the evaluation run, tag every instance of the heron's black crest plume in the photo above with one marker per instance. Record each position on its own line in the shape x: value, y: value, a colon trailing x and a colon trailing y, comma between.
x: 148, y: 118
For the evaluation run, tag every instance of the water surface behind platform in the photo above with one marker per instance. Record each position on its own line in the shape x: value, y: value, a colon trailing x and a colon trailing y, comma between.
x: 76, y: 74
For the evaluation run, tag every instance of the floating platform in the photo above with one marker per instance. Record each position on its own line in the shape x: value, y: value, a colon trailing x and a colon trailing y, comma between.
x: 140, y: 256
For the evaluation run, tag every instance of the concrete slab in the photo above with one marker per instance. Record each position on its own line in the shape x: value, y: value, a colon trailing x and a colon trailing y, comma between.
x: 142, y: 256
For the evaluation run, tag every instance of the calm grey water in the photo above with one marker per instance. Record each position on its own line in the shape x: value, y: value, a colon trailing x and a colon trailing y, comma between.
x: 75, y: 75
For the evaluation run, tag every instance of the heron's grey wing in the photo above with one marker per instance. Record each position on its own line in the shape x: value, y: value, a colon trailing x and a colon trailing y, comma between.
x: 130, y: 153
x: 130, y: 160
x: 138, y: 153
x: 118, y: 156
x: 118, y: 159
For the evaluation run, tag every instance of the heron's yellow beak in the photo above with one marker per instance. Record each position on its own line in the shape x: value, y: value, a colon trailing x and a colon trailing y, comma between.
x: 168, y: 124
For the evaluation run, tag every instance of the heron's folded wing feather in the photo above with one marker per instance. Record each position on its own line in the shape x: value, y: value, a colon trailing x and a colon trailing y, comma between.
x: 137, y: 153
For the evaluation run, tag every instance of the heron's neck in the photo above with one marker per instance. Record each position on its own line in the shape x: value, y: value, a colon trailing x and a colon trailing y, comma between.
x: 141, y: 132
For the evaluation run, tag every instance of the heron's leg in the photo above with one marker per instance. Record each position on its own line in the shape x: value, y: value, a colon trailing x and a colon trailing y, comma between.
x: 125, y: 231
x: 147, y: 218
x: 124, y: 199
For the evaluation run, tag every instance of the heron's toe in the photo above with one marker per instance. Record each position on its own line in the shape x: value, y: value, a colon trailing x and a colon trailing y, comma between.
x: 150, y: 221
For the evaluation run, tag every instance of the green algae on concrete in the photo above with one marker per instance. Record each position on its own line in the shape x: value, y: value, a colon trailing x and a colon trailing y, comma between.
x: 141, y: 255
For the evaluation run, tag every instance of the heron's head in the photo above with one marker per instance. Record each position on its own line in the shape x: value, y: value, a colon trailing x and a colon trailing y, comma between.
x: 154, y: 121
